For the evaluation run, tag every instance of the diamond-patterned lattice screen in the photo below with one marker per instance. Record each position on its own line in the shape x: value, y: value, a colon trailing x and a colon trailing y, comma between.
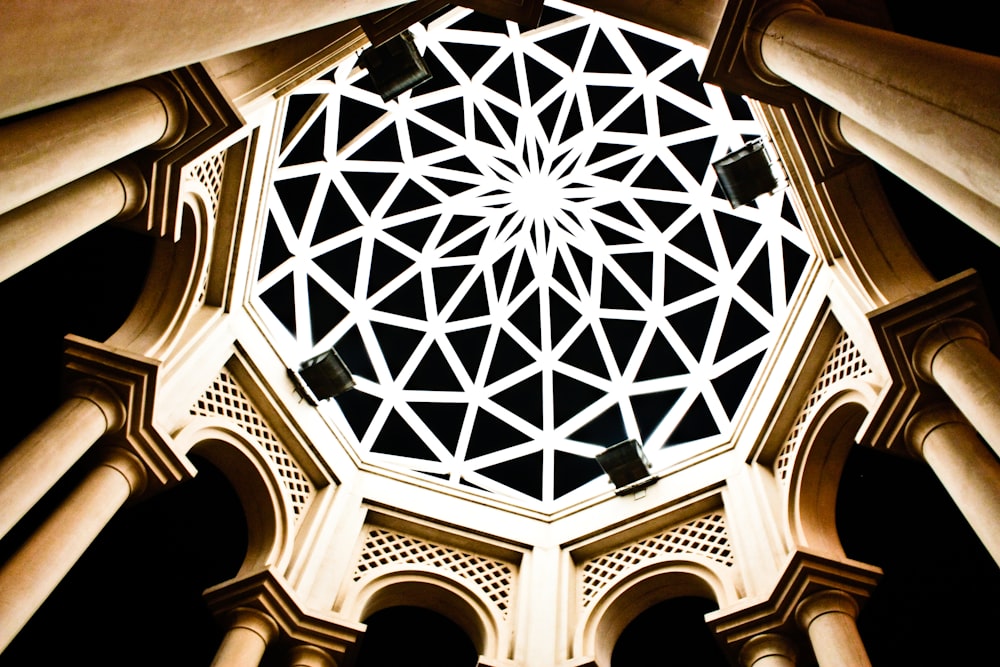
x: 225, y: 398
x: 844, y: 362
x: 705, y: 536
x: 384, y: 548
x: 527, y: 258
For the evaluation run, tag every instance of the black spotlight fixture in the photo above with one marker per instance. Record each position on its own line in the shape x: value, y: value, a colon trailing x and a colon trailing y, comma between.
x: 395, y: 66
x: 746, y: 173
x: 322, y: 377
x: 627, y: 466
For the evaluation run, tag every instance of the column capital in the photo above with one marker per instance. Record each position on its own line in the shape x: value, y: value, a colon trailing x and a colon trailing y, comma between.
x: 924, y: 422
x: 174, y: 105
x: 898, y: 327
x: 104, y: 397
x: 133, y: 378
x: 128, y: 465
x: 829, y: 601
x: 307, y: 655
x: 805, y: 574
x: 134, y: 188
x: 253, y: 620
x: 268, y: 593
x: 764, y: 13
x: 939, y: 335
x: 765, y: 645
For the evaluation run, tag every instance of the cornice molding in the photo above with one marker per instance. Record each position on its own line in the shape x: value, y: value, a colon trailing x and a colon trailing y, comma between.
x: 897, y: 328
x: 269, y: 593
x: 134, y: 379
x: 804, y: 574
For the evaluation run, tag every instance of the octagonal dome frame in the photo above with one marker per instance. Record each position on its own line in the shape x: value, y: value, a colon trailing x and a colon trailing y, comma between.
x: 527, y: 258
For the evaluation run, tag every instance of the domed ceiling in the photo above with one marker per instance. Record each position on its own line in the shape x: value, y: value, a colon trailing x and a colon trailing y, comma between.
x: 526, y: 258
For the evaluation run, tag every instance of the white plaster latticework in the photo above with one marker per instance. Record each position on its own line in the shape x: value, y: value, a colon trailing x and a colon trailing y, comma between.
x: 208, y: 171
x: 225, y: 398
x: 705, y: 536
x: 383, y: 548
x: 527, y: 258
x: 844, y: 362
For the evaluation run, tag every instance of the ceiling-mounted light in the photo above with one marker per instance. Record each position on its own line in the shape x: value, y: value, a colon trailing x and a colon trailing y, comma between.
x: 322, y: 377
x: 627, y: 466
x: 746, y: 173
x: 395, y: 66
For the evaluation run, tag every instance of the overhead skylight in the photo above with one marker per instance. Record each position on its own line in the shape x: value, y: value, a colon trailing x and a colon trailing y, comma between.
x: 528, y: 257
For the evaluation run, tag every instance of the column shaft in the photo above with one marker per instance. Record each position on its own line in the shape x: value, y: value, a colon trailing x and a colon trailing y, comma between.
x: 42, y: 458
x: 249, y: 633
x: 127, y: 41
x: 32, y: 573
x: 38, y: 228
x: 967, y: 469
x: 44, y: 152
x: 828, y: 618
x: 970, y: 208
x: 937, y: 103
x: 954, y: 354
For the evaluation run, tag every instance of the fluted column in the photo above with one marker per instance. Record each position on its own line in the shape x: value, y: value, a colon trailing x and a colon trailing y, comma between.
x: 966, y: 467
x: 829, y: 619
x: 954, y: 354
x: 768, y: 650
x: 33, y: 231
x: 42, y: 458
x: 305, y: 655
x: 30, y: 576
x: 935, y: 102
x: 51, y: 149
x: 249, y: 633
x: 973, y: 210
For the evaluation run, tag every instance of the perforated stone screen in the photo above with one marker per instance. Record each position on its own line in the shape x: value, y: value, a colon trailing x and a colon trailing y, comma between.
x: 527, y: 258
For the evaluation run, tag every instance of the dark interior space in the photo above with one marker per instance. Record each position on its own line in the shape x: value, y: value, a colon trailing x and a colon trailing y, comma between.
x: 672, y: 633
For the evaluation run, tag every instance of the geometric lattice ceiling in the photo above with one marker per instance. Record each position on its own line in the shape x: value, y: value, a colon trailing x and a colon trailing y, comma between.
x: 526, y: 258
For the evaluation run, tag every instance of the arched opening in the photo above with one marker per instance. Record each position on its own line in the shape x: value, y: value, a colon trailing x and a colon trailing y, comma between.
x: 143, y: 577
x: 892, y: 512
x: 644, y: 589
x: 414, y: 637
x: 87, y: 288
x: 672, y: 632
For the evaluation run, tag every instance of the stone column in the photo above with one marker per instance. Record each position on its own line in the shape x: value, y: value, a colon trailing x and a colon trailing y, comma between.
x: 49, y: 150
x: 41, y: 459
x: 768, y: 650
x: 970, y: 208
x: 935, y: 102
x: 828, y: 618
x: 30, y: 576
x: 32, y: 231
x: 305, y: 655
x: 249, y: 633
x: 42, y: 50
x: 954, y: 354
x: 966, y: 467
